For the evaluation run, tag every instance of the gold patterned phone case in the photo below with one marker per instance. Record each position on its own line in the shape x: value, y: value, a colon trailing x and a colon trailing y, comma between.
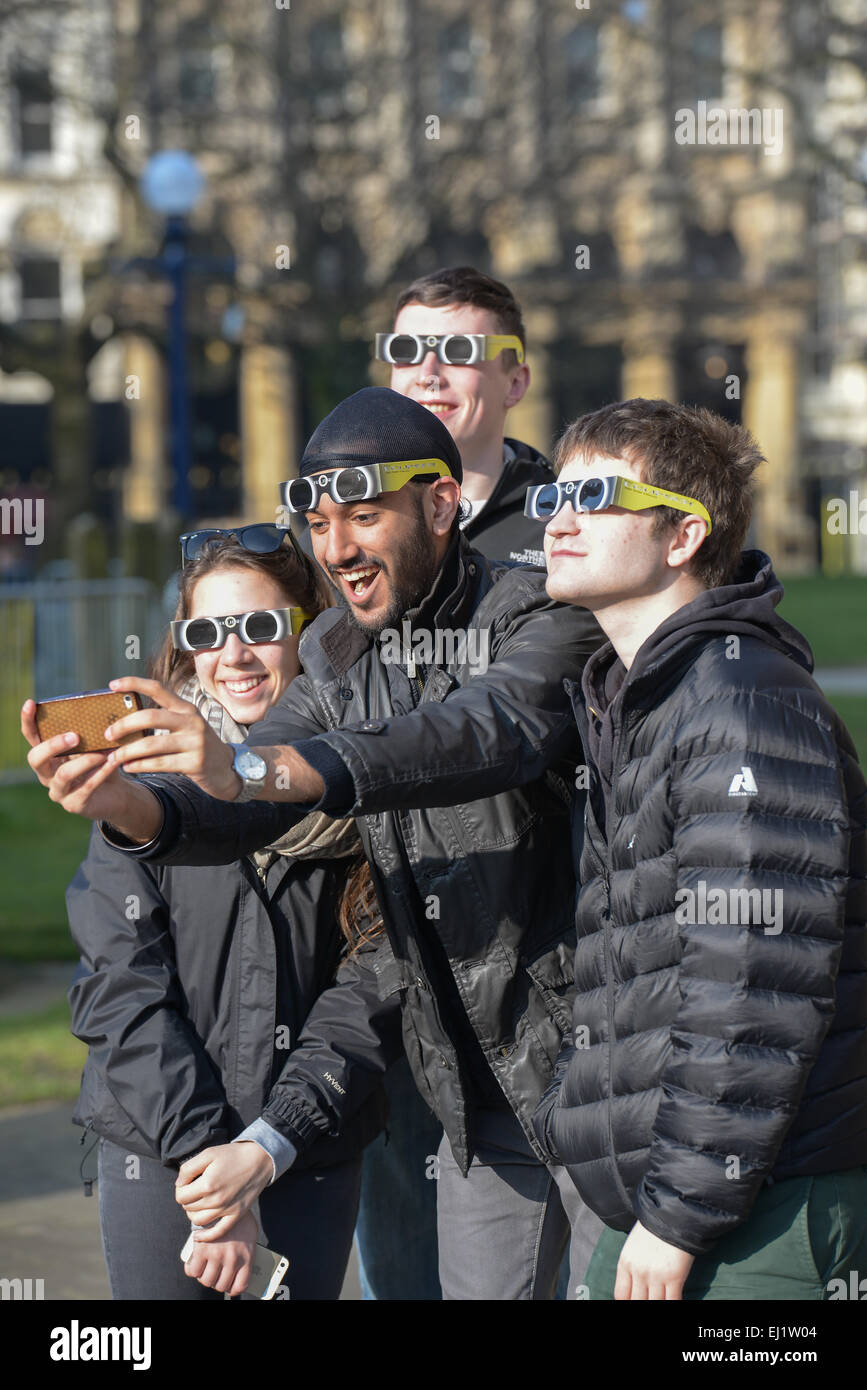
x: 87, y: 715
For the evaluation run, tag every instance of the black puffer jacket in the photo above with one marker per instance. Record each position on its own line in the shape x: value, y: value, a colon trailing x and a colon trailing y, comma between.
x: 208, y: 996
x: 462, y: 781
x: 707, y: 1059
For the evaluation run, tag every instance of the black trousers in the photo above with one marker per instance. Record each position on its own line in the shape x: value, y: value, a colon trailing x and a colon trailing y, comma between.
x: 309, y: 1216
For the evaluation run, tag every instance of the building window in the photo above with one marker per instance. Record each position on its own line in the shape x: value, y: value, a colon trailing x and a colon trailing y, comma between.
x: 197, y: 79
x: 40, y: 287
x: 33, y: 102
x: 582, y: 65
x: 328, y: 63
x: 703, y: 78
x: 458, y: 86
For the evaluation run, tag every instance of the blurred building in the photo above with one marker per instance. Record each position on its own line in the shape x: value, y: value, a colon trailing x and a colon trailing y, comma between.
x: 353, y: 146
x: 59, y: 210
x: 834, y: 416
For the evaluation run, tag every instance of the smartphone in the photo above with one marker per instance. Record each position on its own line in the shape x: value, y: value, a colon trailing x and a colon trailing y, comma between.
x: 87, y: 715
x: 267, y: 1271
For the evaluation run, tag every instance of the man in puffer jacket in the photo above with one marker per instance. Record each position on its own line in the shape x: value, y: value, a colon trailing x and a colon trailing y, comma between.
x: 711, y: 1103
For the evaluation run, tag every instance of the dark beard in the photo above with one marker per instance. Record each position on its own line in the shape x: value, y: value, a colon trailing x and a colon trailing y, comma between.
x: 409, y: 578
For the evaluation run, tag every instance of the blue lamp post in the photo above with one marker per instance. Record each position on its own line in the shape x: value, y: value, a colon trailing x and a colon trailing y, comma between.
x: 172, y: 184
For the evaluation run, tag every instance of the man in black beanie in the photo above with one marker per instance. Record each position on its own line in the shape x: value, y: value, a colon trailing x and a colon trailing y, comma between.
x: 432, y: 708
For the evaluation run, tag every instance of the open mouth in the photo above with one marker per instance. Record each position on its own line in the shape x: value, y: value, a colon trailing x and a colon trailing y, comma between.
x: 438, y: 407
x: 360, y: 581
x: 243, y: 688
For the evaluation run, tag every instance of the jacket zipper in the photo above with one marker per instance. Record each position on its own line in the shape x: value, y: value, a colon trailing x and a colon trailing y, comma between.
x: 608, y: 934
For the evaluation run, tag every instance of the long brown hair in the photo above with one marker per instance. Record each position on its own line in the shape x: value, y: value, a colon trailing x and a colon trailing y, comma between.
x: 304, y: 587
x: 358, y: 914
x: 300, y: 580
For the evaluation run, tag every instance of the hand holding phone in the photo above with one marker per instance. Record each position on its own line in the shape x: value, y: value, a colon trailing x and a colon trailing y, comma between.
x: 87, y: 715
x: 86, y: 783
x: 236, y: 1264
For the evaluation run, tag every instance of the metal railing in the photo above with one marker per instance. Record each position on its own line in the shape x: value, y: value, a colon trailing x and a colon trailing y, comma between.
x: 59, y: 638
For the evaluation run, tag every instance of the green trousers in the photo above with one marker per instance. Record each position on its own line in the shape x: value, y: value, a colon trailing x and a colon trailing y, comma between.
x: 805, y: 1238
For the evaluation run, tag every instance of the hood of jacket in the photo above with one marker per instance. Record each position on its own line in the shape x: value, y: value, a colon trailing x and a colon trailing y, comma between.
x: 744, y: 608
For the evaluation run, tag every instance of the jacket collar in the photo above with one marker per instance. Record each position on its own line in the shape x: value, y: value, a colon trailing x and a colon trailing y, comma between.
x: 461, y: 581
x: 453, y: 597
x: 743, y: 608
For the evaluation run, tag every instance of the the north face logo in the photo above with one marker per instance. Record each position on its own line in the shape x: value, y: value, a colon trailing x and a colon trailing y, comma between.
x: 743, y: 784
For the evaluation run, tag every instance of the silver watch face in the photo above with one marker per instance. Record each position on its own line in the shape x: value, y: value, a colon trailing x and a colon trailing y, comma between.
x: 250, y: 766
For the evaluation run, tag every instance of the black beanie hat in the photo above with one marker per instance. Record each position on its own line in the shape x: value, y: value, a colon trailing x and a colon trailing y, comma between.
x: 378, y: 425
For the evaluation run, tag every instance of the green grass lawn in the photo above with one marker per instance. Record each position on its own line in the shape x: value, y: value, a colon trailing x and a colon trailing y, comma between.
x: 832, y: 614
x: 41, y: 846
x: 852, y: 709
x: 39, y: 1057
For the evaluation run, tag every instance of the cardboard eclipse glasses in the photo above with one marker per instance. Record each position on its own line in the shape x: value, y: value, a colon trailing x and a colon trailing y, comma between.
x: 597, y: 494
x: 358, y: 483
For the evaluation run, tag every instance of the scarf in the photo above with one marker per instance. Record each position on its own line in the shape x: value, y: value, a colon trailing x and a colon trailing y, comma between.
x: 317, y: 836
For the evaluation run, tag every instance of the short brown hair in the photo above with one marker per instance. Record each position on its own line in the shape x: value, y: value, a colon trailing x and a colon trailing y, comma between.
x: 462, y: 284
x: 685, y: 449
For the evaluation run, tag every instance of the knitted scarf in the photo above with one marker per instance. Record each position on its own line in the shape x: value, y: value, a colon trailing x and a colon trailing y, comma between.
x: 318, y: 836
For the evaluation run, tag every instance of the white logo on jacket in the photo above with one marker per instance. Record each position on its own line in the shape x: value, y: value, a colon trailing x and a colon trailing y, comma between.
x: 743, y: 784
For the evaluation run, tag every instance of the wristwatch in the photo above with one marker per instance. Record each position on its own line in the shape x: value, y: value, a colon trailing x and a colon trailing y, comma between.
x: 252, y: 771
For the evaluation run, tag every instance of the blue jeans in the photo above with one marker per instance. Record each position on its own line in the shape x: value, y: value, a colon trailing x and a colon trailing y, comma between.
x: 396, y: 1233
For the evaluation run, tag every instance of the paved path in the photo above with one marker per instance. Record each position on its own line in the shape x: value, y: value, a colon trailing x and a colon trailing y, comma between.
x: 29, y: 988
x: 843, y: 680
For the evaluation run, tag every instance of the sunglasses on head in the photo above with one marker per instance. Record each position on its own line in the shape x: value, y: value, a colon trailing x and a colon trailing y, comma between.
x: 358, y: 484
x: 454, y: 349
x: 597, y: 494
x: 261, y: 625
x: 261, y: 538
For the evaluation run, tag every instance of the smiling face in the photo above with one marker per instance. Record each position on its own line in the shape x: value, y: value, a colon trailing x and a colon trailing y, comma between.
x: 246, y: 679
x: 471, y: 401
x: 383, y: 554
x: 600, y: 559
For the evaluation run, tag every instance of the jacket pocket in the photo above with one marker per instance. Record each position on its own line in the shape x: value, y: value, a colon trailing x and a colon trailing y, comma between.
x: 553, y: 974
x: 388, y: 970
x: 97, y: 1109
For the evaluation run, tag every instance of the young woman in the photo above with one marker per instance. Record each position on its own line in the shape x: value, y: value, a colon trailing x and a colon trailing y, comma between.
x: 210, y: 997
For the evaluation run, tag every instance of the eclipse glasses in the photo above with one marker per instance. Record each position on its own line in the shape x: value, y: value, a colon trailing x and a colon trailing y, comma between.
x: 454, y: 349
x: 597, y: 494
x: 358, y: 483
